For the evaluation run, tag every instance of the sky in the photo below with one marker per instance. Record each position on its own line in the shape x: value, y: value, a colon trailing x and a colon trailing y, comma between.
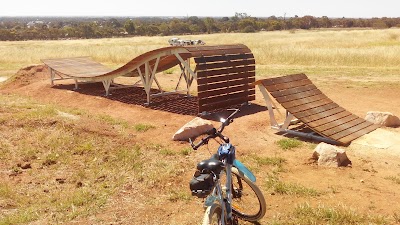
x: 211, y: 8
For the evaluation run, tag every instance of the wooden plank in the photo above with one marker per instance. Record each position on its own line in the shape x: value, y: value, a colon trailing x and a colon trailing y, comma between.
x: 280, y: 93
x: 77, y: 67
x: 299, y: 95
x: 316, y: 110
x: 220, y: 52
x: 336, y: 123
x: 303, y: 101
x: 308, y: 106
x: 355, y: 135
x: 351, y: 130
x: 225, y: 90
x: 210, y: 73
x: 224, y: 77
x: 322, y: 115
x: 284, y: 79
x: 221, y: 98
x: 342, y: 127
x: 214, y: 47
x: 230, y: 102
x: 290, y: 85
x: 219, y: 58
x: 225, y: 64
x: 227, y: 83
x: 328, y: 119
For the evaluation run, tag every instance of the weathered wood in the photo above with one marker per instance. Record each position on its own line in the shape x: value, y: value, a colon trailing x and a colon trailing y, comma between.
x: 308, y: 106
x: 225, y: 84
x: 304, y: 101
x: 229, y: 102
x: 280, y: 93
x: 224, y: 77
x: 316, y: 110
x: 222, y: 58
x: 322, y: 115
x: 217, y: 72
x: 225, y: 97
x: 359, y: 133
x: 351, y: 130
x: 225, y: 64
x: 285, y: 79
x: 283, y: 86
x: 231, y: 89
x: 223, y: 70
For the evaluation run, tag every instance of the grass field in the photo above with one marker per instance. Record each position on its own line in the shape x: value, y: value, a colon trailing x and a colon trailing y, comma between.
x: 60, y: 163
x: 316, y: 52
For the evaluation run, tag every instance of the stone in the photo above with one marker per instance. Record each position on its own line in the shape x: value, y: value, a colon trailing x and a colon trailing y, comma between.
x: 330, y: 156
x: 192, y: 129
x: 383, y: 118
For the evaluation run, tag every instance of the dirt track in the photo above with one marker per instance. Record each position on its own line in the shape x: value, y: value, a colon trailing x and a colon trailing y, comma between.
x: 363, y: 186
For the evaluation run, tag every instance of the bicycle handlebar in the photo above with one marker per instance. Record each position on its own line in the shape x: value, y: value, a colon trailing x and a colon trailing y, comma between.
x: 213, y: 133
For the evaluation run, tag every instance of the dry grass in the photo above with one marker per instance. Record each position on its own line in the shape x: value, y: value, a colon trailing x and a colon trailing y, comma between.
x: 315, y: 52
x: 56, y: 168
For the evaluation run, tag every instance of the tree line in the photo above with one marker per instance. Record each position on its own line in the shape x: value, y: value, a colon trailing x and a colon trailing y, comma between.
x: 48, y: 28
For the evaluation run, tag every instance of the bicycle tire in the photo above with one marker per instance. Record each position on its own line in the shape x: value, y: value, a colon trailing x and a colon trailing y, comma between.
x: 244, y: 204
x: 212, y: 215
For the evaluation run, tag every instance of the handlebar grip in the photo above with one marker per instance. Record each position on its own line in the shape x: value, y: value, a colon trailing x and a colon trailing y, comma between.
x: 211, y: 131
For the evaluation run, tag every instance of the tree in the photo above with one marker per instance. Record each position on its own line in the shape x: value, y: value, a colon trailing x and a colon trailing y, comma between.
x: 210, y: 23
x: 129, y: 26
x: 325, y: 22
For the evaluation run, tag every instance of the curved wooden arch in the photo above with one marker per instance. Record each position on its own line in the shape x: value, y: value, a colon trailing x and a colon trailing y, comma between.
x: 223, y: 72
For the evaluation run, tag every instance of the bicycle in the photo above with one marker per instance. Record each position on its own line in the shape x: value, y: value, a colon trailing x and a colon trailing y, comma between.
x: 225, y: 204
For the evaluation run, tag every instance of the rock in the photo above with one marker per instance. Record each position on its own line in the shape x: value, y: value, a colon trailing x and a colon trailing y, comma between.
x: 330, y: 156
x: 383, y: 118
x: 26, y: 166
x: 192, y: 129
x: 60, y: 180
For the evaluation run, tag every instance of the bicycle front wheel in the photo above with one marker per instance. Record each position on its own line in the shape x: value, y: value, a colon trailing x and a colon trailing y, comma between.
x: 248, y: 202
x: 212, y: 216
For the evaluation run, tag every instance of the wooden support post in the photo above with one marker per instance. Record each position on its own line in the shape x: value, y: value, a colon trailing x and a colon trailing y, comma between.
x: 52, y: 76
x: 184, y: 63
x: 268, y: 101
x: 76, y: 84
x: 147, y: 86
x: 187, y: 77
x: 107, y: 84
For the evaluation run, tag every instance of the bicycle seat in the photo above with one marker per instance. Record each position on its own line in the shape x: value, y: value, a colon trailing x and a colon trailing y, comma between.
x: 211, y: 164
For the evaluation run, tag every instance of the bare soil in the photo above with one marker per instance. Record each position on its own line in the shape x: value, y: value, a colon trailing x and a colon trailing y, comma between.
x: 363, y: 187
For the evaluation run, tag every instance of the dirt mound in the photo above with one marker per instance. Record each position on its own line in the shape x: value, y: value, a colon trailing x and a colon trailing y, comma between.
x: 27, y: 75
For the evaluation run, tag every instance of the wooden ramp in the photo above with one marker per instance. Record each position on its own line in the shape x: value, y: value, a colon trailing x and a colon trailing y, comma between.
x: 223, y: 73
x: 304, y: 101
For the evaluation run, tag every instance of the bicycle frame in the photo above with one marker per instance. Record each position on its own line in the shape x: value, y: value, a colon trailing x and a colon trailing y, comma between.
x: 217, y: 194
x: 227, y: 154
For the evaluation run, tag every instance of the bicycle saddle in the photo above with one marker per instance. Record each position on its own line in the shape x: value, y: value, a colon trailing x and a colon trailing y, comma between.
x: 211, y: 164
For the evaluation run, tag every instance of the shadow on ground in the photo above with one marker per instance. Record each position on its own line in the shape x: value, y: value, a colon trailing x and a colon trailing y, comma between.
x: 175, y: 103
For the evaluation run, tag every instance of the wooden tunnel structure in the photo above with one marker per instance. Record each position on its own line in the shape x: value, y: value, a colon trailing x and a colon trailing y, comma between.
x: 224, y: 73
x: 304, y: 101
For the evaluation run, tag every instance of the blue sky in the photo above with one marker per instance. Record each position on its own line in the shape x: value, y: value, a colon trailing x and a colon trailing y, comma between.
x: 258, y: 8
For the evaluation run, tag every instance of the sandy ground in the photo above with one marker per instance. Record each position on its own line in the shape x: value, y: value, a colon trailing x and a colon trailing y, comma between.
x: 364, y: 186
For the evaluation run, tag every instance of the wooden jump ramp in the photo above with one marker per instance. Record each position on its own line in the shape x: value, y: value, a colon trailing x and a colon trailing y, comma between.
x: 224, y: 73
x: 304, y: 101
